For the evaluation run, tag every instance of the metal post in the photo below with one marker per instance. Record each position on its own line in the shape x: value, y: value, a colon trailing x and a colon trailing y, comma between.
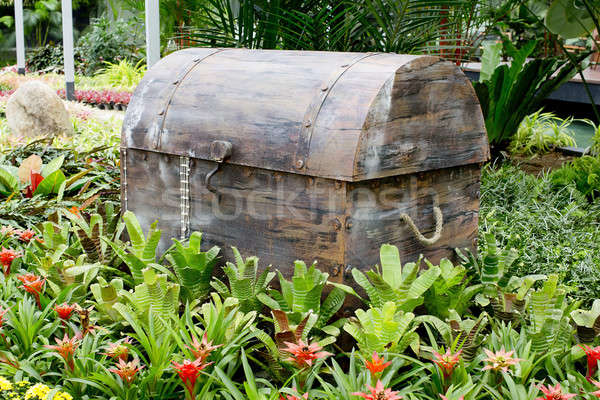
x: 67, y: 24
x: 20, y: 37
x: 152, y: 33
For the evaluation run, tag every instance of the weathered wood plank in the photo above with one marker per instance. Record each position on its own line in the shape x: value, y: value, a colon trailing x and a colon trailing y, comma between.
x: 346, y: 116
x: 374, y: 210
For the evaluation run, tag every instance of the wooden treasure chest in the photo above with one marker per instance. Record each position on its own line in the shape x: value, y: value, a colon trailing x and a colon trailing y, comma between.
x: 306, y: 155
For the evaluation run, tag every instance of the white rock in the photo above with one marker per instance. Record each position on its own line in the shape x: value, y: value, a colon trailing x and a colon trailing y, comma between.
x: 36, y: 110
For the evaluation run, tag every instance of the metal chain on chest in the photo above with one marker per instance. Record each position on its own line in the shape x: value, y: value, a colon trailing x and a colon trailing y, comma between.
x: 184, y: 189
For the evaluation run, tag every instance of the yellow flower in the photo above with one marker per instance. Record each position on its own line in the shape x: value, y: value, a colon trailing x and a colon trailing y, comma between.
x: 5, y: 384
x: 38, y: 390
x: 62, y: 396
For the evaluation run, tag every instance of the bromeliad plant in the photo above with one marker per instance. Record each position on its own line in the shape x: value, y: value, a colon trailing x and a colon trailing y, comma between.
x: 402, y: 285
x: 193, y: 267
x: 245, y: 282
x: 98, y: 331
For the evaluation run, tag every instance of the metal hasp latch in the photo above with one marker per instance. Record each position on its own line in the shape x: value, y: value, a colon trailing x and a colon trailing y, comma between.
x: 219, y: 152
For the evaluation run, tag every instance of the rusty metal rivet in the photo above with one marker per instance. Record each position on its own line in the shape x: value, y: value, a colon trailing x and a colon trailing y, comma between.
x: 308, y: 123
x: 325, y: 88
x: 161, y: 112
x: 345, y: 66
x: 176, y: 82
x: 300, y: 164
x: 337, y: 225
x: 348, y: 224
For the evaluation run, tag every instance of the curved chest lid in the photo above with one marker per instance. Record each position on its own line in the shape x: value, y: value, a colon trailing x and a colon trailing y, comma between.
x: 347, y: 116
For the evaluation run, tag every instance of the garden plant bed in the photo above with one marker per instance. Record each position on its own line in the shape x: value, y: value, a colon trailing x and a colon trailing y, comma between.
x: 541, y: 163
x: 128, y: 270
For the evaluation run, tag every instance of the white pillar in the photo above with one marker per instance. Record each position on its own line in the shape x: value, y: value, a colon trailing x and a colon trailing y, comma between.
x: 20, y: 37
x: 152, y: 33
x: 67, y: 25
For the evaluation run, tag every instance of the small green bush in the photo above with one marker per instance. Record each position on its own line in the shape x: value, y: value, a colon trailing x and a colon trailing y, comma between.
x: 555, y: 229
x: 108, y: 41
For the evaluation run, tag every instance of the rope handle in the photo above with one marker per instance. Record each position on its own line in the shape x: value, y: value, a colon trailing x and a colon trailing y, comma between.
x: 439, y: 222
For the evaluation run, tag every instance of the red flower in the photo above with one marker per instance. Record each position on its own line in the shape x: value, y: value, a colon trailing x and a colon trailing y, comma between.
x: 26, y: 235
x: 188, y: 372
x: 127, y: 370
x: 118, y: 350
x: 36, y: 179
x: 33, y: 284
x: 203, y: 349
x: 7, y: 256
x: 378, y: 393
x: 64, y: 310
x: 447, y: 362
x: 66, y: 348
x: 593, y: 356
x: 303, y: 354
x: 376, y: 364
x: 554, y: 393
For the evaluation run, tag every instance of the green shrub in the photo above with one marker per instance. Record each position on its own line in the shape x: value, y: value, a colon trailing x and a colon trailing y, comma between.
x: 48, y: 58
x: 583, y: 172
x: 554, y: 229
x: 513, y: 90
x: 111, y: 42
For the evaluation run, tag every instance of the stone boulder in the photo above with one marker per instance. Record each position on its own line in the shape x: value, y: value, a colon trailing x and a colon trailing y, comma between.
x: 36, y: 110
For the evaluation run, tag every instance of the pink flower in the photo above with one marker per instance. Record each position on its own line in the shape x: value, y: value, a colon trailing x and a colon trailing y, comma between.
x: 127, y: 370
x: 597, y: 392
x: 3, y: 312
x: 447, y: 362
x: 203, y: 349
x: 66, y: 348
x: 26, y: 235
x: 554, y: 393
x: 303, y: 354
x: 118, y: 350
x: 290, y: 397
x: 378, y: 393
x: 445, y: 398
x: 500, y: 360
